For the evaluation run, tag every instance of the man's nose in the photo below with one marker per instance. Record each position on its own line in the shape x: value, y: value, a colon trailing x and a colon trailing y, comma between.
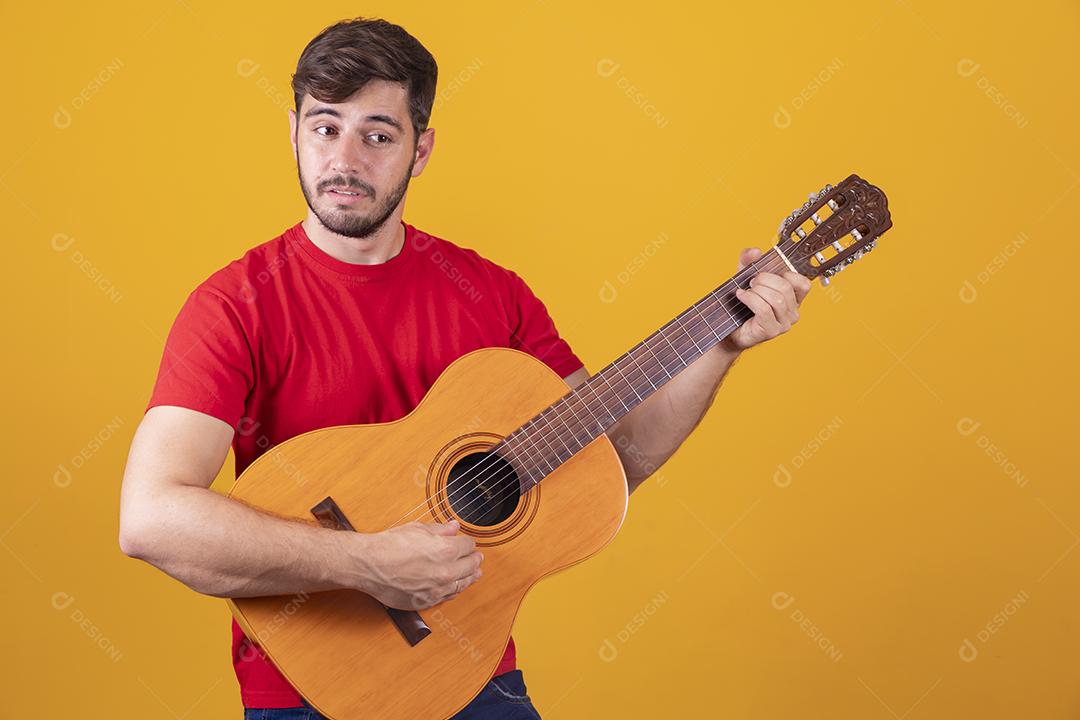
x: 349, y: 154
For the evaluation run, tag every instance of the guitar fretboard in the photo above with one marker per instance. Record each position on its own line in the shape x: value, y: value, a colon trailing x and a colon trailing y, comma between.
x: 551, y: 438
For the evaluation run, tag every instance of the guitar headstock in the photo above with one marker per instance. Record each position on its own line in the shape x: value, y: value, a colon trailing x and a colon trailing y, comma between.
x: 835, y: 228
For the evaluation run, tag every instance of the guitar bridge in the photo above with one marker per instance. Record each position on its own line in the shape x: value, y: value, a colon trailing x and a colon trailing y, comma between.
x: 412, y: 626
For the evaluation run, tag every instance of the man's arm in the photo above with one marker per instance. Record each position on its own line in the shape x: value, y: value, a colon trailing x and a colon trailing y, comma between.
x: 218, y: 546
x: 651, y: 433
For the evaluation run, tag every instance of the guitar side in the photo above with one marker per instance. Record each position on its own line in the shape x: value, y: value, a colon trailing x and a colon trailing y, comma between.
x: 339, y: 648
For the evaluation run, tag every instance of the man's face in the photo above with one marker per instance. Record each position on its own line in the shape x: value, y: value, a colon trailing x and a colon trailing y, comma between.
x: 355, y: 158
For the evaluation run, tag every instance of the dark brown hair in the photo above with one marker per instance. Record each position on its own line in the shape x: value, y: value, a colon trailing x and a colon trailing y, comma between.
x: 344, y: 57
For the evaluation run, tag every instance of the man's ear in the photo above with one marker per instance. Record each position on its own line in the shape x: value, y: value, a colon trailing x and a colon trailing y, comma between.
x: 292, y: 130
x: 425, y: 144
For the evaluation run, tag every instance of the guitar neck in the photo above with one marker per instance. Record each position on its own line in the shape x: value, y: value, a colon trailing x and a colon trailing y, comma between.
x: 555, y: 435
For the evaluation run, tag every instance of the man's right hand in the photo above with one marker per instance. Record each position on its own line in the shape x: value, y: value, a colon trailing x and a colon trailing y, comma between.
x: 414, y: 566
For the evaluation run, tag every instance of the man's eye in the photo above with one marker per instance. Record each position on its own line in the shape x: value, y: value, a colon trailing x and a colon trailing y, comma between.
x: 324, y: 127
x: 380, y: 138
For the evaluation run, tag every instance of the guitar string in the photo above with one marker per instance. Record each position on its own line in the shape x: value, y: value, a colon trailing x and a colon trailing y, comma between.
x: 604, y: 395
x: 509, y: 490
x: 505, y: 481
x: 742, y: 309
x: 494, y: 467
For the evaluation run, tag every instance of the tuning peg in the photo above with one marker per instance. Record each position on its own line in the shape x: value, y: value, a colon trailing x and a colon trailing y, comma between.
x: 824, y: 281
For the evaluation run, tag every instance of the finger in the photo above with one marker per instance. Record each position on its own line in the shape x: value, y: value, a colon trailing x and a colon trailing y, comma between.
x: 781, y: 286
x: 463, y: 567
x: 748, y: 256
x: 429, y: 599
x: 778, y: 304
x: 446, y: 528
x: 467, y: 566
x: 800, y: 284
x: 776, y: 291
x: 458, y: 586
x: 464, y: 545
x: 763, y: 311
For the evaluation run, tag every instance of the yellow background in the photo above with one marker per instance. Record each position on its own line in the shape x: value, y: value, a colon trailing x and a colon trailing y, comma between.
x: 924, y: 407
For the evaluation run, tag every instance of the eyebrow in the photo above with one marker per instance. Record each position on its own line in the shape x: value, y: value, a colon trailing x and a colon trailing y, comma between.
x: 324, y: 110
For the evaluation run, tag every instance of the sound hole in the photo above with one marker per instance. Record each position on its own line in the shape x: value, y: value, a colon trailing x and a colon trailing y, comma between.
x: 483, y: 489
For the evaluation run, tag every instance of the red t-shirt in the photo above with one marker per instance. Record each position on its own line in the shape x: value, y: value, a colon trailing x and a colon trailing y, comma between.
x: 288, y: 339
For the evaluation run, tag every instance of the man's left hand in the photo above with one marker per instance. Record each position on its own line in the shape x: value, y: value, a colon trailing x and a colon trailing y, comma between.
x: 774, y: 300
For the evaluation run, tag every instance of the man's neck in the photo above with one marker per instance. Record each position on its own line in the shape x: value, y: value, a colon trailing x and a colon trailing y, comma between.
x: 375, y: 249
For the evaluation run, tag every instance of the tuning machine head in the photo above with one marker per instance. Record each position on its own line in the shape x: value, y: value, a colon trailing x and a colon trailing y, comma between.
x: 834, y: 228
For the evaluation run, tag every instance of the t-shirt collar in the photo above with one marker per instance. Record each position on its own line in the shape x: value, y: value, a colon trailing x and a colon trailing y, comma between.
x: 323, y: 261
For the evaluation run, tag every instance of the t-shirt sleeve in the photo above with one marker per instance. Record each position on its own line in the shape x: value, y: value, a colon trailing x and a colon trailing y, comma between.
x: 207, y: 363
x: 533, y: 330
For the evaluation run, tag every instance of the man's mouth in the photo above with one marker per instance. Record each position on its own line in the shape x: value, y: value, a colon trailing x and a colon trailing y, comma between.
x: 345, y: 196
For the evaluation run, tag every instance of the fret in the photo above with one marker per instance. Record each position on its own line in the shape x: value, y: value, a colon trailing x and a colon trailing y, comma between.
x: 625, y: 381
x: 640, y: 369
x: 583, y: 414
x: 541, y: 436
x: 677, y: 355
x: 682, y: 327
x: 657, y: 361
x: 604, y: 376
x: 723, y: 303
x: 705, y: 320
x: 587, y: 386
x: 567, y: 403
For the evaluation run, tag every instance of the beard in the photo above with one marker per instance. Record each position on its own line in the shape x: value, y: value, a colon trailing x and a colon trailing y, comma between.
x: 349, y: 222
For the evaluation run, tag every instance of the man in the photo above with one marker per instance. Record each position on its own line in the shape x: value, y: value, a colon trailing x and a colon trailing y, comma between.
x: 348, y: 317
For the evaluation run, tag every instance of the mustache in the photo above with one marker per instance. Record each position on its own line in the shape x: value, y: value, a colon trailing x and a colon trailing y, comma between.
x: 354, y: 184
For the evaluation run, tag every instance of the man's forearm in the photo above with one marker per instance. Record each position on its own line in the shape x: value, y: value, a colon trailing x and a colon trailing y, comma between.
x: 651, y: 433
x: 219, y: 546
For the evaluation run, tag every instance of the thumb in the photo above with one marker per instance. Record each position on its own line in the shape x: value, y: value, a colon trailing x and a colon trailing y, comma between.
x: 447, y: 528
x: 748, y: 256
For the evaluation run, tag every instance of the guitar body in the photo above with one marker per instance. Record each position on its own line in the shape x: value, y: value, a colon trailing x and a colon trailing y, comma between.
x: 351, y: 657
x: 340, y: 649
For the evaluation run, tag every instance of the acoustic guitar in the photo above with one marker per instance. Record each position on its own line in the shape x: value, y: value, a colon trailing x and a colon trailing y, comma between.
x: 501, y: 444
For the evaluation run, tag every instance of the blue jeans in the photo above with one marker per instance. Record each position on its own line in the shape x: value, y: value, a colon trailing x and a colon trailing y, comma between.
x: 505, y: 697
